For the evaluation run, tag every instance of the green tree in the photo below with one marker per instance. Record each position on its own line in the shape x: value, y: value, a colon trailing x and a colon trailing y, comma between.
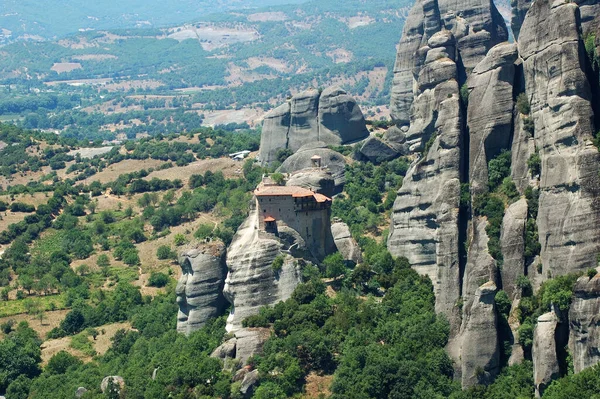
x: 165, y: 252
x: 334, y: 265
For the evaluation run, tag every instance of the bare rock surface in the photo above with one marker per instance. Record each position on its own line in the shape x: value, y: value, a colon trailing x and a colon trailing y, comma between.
x: 479, y: 352
x: 545, y: 360
x: 331, y: 116
x: 200, y: 287
x: 476, y: 25
x: 584, y: 320
x: 333, y: 161
x: 559, y: 93
x: 490, y: 111
x: 345, y: 243
x: 512, y: 242
x: 251, y: 282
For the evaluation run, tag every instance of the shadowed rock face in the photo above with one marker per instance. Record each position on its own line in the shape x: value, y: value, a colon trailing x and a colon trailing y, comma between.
x: 519, y: 10
x: 199, y: 289
x: 332, y: 117
x: 560, y: 97
x: 584, y: 320
x: 476, y: 25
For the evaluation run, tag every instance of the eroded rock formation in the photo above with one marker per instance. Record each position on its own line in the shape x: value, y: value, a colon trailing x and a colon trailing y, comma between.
x: 584, y: 319
x: 200, y: 287
x: 477, y: 27
x: 331, y: 116
x: 560, y: 96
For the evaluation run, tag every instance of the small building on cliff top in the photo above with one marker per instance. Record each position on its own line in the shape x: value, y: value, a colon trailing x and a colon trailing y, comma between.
x: 303, y: 210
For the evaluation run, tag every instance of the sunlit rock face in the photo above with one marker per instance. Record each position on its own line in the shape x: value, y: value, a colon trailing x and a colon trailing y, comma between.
x: 200, y: 287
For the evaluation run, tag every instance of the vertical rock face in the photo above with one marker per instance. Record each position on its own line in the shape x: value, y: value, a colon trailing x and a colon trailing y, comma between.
x: 512, y: 242
x: 199, y: 289
x: 545, y: 360
x: 252, y: 281
x: 425, y: 214
x: 490, y: 111
x: 523, y: 146
x: 559, y: 93
x: 584, y: 320
x: 332, y: 117
x: 476, y: 25
x: 340, y: 118
x: 479, y: 352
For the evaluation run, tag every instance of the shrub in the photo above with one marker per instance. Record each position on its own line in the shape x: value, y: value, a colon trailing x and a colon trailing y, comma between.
x: 503, y: 303
x: 535, y: 164
x: 21, y: 207
x: 158, y: 280
x: 499, y: 169
x: 509, y: 189
x: 204, y: 231
x: 529, y: 126
x: 523, y: 104
x: 165, y: 252
x: 179, y: 240
x: 334, y: 265
x: 591, y: 273
x: 464, y: 94
x: 277, y: 264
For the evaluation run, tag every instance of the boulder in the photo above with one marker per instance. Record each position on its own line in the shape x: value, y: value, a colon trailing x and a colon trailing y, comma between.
x: 78, y: 393
x: 317, y: 180
x: 345, y: 243
x: 331, y: 160
x: 249, y: 384
x: 118, y: 382
x: 275, y: 132
x: 200, y: 287
x: 377, y: 151
x: 584, y: 322
x: 250, y: 342
x: 225, y: 350
x: 560, y: 98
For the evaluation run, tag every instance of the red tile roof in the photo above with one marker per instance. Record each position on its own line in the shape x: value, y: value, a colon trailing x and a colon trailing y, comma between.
x: 269, y: 219
x: 289, y: 191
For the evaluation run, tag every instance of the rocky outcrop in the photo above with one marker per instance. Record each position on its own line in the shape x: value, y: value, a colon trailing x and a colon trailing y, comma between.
x: 345, y: 244
x: 252, y: 282
x: 377, y: 150
x: 333, y: 161
x: 584, y: 323
x: 425, y: 214
x: 477, y: 27
x: 479, y: 353
x: 340, y: 119
x: 512, y: 243
x: 545, y: 359
x: 490, y: 111
x: 332, y: 117
x: 117, y: 381
x: 315, y: 179
x: 200, y: 287
x: 560, y: 96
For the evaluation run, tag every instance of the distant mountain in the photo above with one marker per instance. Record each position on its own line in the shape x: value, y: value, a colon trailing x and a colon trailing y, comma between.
x: 56, y: 18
